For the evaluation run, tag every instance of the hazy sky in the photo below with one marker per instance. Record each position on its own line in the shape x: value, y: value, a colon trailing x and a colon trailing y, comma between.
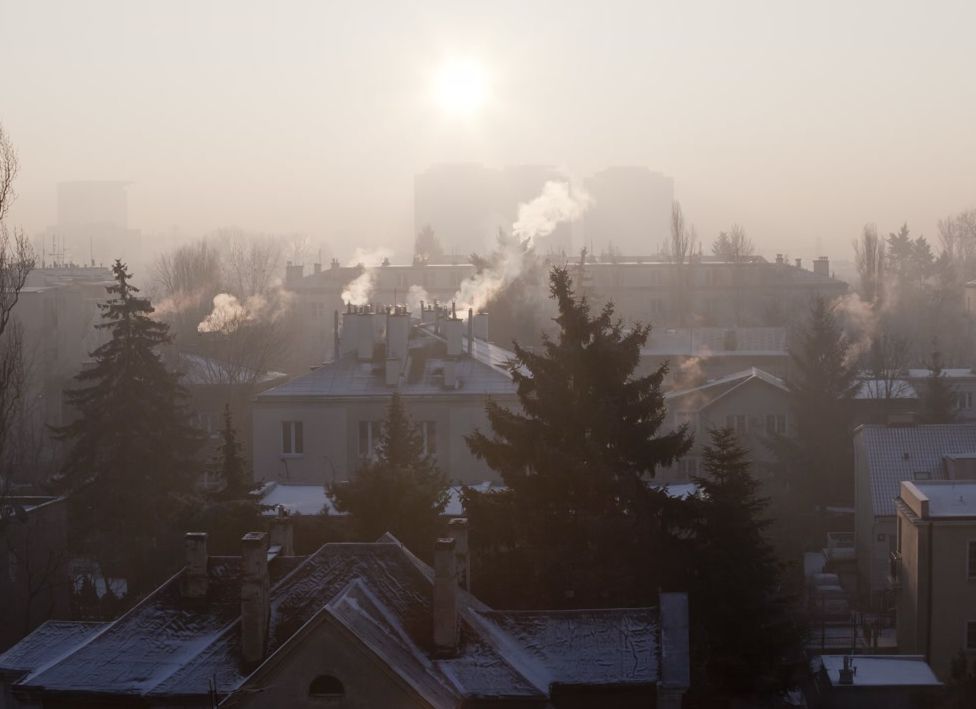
x: 797, y: 120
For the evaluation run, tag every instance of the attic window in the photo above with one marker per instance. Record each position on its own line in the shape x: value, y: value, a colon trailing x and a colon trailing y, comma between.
x: 326, y: 687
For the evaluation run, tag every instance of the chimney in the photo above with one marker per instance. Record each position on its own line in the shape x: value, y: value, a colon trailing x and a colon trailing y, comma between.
x: 445, y: 599
x: 255, y: 598
x: 847, y: 672
x: 317, y: 267
x: 366, y: 333
x: 437, y: 318
x: 334, y: 263
x: 821, y: 266
x: 450, y: 373
x: 799, y: 263
x: 194, y: 581
x: 481, y: 326
x: 779, y: 258
x: 470, y: 330
x: 452, y: 333
x: 335, y: 336
x: 457, y: 529
x: 283, y: 534
x: 675, y: 667
x: 397, y: 333
x: 350, y: 330
x: 426, y: 313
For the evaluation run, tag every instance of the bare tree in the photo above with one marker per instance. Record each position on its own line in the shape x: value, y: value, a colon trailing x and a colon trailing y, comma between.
x: 683, y: 236
x: 957, y: 233
x: 733, y: 245
x: 869, y: 257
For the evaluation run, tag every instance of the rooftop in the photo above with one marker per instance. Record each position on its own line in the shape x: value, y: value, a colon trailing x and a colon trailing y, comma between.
x: 946, y: 498
x: 716, y: 342
x: 880, y: 670
x: 711, y: 391
x: 892, y: 454
x: 171, y: 647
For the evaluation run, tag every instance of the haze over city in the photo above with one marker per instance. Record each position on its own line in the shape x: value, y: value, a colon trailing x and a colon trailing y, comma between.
x: 798, y: 121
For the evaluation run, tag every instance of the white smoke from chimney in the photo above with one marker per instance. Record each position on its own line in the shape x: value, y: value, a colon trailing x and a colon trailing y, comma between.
x: 359, y: 290
x: 415, y: 296
x: 229, y: 313
x: 538, y: 218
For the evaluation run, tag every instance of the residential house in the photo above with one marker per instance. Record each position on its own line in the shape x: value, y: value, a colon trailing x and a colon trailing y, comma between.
x: 752, y: 402
x: 884, y: 456
x: 351, y: 625
x: 934, y: 570
x: 318, y: 427
x: 700, y: 354
x: 34, y: 582
x: 962, y: 381
x: 872, y: 682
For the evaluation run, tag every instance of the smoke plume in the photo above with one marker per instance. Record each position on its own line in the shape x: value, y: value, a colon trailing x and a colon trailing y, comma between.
x: 229, y: 313
x: 538, y: 218
x: 415, y: 296
x: 359, y: 290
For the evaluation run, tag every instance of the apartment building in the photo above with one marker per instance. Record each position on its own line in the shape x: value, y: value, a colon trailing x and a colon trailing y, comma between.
x: 933, y: 568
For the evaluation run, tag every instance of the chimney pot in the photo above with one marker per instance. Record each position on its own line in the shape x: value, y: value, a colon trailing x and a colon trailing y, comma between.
x: 445, y: 598
x: 195, y: 580
x: 799, y: 263
x: 457, y: 529
x: 255, y: 598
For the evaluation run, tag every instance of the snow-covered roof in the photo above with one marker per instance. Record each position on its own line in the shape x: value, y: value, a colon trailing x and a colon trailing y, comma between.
x: 949, y: 498
x: 711, y: 391
x: 297, y: 499
x: 167, y: 646
x: 481, y: 374
x: 880, y: 670
x: 892, y: 454
x: 949, y: 373
x: 49, y: 642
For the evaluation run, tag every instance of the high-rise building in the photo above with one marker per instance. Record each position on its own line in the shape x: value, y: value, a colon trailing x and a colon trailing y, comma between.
x: 93, y: 224
x: 630, y: 211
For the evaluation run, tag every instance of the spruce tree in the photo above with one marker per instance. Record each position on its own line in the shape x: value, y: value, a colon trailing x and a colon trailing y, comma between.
x: 228, y: 466
x: 576, y: 458
x: 938, y: 396
x: 401, y: 490
x: 823, y: 387
x: 746, y: 641
x: 129, y: 468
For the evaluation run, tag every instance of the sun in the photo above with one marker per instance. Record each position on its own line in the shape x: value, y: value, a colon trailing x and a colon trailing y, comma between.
x: 461, y: 87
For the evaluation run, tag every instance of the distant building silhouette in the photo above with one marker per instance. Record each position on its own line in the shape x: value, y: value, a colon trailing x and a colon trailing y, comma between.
x: 93, y: 225
x: 631, y: 211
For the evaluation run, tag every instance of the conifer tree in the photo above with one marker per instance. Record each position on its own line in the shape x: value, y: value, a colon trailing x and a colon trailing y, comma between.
x: 229, y: 466
x: 938, y: 397
x: 401, y: 490
x: 576, y: 457
x: 823, y: 387
x: 746, y: 640
x: 129, y: 467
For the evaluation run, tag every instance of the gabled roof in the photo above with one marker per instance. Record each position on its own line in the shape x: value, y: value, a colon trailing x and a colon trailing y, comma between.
x: 709, y: 392
x: 480, y: 374
x: 168, y: 646
x: 892, y: 454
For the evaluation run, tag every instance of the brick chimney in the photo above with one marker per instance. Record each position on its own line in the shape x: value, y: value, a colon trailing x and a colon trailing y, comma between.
x: 457, y: 529
x: 452, y: 333
x: 481, y: 326
x: 350, y: 330
x: 365, y: 336
x: 283, y: 534
x: 255, y: 598
x: 397, y: 333
x: 194, y: 581
x: 445, y: 598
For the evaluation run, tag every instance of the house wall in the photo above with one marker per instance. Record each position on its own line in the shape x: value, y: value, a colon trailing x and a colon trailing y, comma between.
x: 912, y: 595
x: 754, y: 399
x: 327, y: 650
x: 331, y: 436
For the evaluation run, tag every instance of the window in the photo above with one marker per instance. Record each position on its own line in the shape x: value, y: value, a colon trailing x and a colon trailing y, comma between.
x: 208, y: 423
x: 292, y: 438
x: 971, y: 561
x: 964, y: 400
x: 326, y: 687
x: 428, y: 431
x: 971, y: 634
x: 369, y: 438
x: 737, y: 423
x: 921, y: 475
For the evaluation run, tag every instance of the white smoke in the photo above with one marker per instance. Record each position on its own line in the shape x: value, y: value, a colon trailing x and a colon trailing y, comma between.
x: 538, y: 218
x: 415, y: 296
x: 359, y: 290
x: 229, y: 313
x: 860, y: 323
